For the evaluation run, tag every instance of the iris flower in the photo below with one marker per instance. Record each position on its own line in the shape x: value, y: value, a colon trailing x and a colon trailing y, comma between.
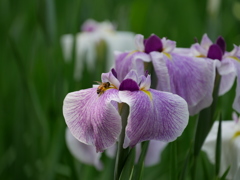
x: 228, y: 67
x: 154, y: 115
x: 189, y: 77
x: 91, y: 35
x: 230, y: 147
x: 86, y: 153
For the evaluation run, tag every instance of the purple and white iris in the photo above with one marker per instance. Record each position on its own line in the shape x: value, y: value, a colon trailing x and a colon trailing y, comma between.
x: 228, y: 63
x: 154, y: 115
x: 189, y: 77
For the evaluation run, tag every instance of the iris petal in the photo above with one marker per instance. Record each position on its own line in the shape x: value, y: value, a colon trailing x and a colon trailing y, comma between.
x: 84, y: 153
x: 189, y: 77
x: 162, y: 117
x: 93, y: 119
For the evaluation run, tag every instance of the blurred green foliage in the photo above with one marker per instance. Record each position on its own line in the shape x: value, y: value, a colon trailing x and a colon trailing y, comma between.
x: 34, y: 78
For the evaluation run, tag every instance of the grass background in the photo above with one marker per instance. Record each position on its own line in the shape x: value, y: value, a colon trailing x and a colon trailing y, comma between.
x: 34, y: 79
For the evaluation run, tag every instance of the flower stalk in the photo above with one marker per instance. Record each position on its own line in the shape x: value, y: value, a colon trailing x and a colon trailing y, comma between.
x: 121, y: 152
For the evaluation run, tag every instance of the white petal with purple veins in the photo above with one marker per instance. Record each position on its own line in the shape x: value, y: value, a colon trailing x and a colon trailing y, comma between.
x: 93, y: 119
x: 189, y: 77
x: 154, y: 115
x: 236, y: 103
x: 133, y: 60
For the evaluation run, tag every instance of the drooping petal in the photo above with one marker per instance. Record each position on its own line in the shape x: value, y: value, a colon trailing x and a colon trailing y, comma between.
x: 207, y: 99
x: 93, y: 119
x: 84, y: 153
x: 230, y: 151
x: 133, y: 60
x: 236, y: 103
x: 67, y: 46
x: 189, y: 77
x: 154, y: 115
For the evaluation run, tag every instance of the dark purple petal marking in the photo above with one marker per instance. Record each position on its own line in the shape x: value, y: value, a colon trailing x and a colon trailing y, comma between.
x: 215, y: 52
x: 114, y: 72
x: 128, y: 85
x: 146, y: 73
x: 153, y: 43
x: 221, y: 43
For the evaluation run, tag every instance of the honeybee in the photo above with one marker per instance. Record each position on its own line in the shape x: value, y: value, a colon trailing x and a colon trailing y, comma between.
x: 102, y: 87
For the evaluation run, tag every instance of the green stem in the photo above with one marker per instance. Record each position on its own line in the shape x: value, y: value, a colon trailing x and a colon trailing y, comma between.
x: 138, y: 170
x: 121, y: 153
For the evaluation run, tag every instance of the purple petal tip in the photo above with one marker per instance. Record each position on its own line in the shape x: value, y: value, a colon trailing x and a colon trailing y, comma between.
x: 128, y: 85
x: 114, y: 72
x: 215, y: 52
x: 221, y: 43
x: 153, y: 43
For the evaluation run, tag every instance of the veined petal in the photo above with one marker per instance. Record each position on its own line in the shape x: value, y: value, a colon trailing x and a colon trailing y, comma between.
x: 161, y: 70
x: 133, y: 60
x: 236, y: 103
x: 154, y: 115
x: 207, y: 99
x: 93, y: 119
x: 84, y: 153
x: 189, y: 77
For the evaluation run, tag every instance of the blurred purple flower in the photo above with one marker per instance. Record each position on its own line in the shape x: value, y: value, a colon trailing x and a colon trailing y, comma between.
x: 189, y: 77
x: 154, y: 115
x: 228, y: 63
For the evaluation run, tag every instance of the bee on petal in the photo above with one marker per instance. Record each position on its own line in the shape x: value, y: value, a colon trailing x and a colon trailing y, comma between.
x: 102, y: 87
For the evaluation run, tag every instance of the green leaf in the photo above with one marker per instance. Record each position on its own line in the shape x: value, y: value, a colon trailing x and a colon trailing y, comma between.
x: 129, y: 166
x: 206, y: 119
x: 218, y: 147
x: 173, y: 161
x: 138, y: 170
x: 225, y: 174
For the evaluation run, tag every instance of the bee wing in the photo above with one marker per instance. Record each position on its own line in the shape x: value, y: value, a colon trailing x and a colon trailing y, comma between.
x: 98, y: 82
